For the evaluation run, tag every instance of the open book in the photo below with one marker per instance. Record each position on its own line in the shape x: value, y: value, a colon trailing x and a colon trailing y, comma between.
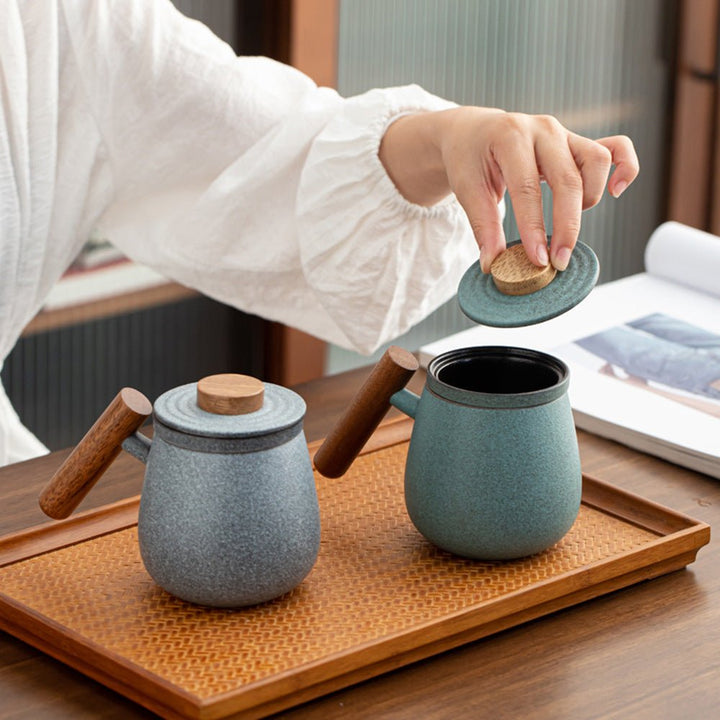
x: 643, y: 351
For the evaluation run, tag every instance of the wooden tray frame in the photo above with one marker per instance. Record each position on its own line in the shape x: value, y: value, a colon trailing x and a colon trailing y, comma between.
x: 679, y: 539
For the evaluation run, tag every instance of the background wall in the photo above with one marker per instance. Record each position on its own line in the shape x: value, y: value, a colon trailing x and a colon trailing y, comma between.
x: 602, y: 68
x: 221, y: 16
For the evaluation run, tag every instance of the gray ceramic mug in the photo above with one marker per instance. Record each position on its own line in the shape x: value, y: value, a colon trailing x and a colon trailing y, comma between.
x: 229, y: 513
x: 493, y: 469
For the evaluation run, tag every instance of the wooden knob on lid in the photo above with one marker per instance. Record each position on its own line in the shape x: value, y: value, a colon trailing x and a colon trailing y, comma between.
x: 514, y: 274
x: 230, y: 394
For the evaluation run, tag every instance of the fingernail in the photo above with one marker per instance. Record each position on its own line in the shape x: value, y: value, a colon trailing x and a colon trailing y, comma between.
x: 619, y: 189
x: 561, y: 259
x: 485, y: 262
x: 542, y: 254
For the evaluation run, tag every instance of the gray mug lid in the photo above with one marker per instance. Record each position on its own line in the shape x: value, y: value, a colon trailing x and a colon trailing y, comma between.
x: 178, y: 409
x: 482, y: 302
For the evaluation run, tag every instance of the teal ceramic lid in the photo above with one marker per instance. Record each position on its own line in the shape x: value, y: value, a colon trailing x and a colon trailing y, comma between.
x: 278, y: 409
x: 481, y: 301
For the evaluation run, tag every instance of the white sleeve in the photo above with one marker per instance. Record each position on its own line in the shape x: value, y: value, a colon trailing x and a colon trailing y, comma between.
x: 239, y: 177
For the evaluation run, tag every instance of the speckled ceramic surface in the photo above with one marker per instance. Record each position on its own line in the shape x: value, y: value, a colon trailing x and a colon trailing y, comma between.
x: 229, y: 514
x: 493, y: 471
x: 229, y: 530
x: 482, y: 302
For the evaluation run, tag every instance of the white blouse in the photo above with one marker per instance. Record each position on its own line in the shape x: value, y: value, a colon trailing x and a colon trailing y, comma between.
x: 238, y: 177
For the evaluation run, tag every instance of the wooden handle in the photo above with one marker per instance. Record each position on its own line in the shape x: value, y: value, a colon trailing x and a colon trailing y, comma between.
x: 94, y: 453
x: 367, y: 409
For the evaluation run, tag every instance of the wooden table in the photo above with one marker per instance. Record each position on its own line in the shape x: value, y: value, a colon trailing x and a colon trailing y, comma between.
x: 650, y: 651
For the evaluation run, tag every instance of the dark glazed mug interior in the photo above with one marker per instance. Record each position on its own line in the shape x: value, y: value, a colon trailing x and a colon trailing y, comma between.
x: 498, y: 370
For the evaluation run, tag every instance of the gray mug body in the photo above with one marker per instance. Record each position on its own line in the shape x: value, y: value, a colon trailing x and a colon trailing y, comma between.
x: 493, y: 469
x: 227, y: 522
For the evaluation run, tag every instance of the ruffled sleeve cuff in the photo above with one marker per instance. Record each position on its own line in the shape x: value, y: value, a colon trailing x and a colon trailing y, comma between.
x: 377, y: 263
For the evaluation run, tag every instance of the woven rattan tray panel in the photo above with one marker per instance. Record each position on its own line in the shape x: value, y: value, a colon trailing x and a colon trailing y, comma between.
x: 380, y: 596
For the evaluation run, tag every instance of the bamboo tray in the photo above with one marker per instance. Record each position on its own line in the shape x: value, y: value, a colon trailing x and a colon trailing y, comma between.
x: 379, y: 597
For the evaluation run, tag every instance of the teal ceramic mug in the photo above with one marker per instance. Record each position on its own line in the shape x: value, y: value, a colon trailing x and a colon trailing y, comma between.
x: 493, y: 469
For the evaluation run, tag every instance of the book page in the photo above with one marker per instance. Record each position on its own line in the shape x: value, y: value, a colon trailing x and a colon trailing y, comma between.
x: 666, y: 387
x: 607, y: 305
x: 686, y: 256
x: 632, y: 376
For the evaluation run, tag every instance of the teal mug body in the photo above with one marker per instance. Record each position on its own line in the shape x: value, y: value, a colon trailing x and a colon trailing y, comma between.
x: 493, y: 469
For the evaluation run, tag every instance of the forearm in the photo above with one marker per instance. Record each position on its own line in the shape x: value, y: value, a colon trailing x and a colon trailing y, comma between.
x: 412, y: 158
x: 417, y: 149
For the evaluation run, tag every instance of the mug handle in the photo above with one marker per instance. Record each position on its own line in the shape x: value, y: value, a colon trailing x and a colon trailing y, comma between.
x: 94, y: 453
x: 372, y: 401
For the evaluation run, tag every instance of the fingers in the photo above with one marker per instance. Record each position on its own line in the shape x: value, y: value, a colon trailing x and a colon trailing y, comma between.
x: 625, y: 159
x: 517, y: 161
x: 593, y: 160
x: 481, y: 206
x: 576, y: 168
x: 560, y: 169
x: 486, y: 152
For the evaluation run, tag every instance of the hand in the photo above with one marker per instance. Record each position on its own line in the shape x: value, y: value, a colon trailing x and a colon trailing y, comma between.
x: 479, y: 153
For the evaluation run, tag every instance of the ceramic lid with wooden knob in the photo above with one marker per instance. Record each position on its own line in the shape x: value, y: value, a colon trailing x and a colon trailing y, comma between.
x: 517, y: 293
x: 228, y: 406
